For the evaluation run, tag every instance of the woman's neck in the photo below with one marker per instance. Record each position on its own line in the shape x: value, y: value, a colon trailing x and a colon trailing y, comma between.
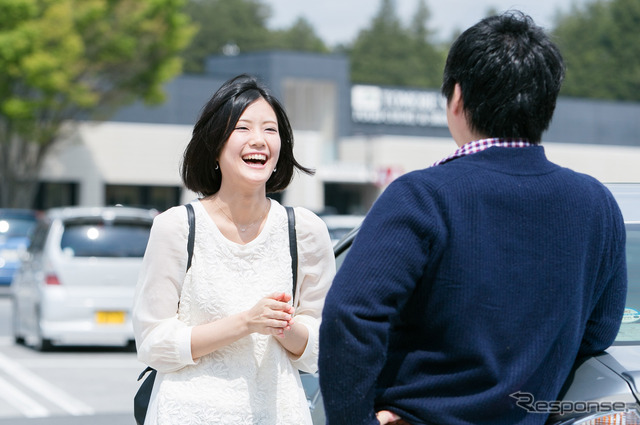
x: 243, y: 208
x: 239, y: 217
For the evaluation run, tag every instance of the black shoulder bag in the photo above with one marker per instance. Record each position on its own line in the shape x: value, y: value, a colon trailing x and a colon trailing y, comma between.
x: 143, y: 395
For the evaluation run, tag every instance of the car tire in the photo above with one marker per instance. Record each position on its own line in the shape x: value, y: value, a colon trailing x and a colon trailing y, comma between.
x: 131, y: 346
x: 42, y: 344
x: 18, y: 338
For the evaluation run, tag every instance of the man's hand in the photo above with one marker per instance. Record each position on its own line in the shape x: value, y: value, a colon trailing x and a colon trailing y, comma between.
x: 387, y: 417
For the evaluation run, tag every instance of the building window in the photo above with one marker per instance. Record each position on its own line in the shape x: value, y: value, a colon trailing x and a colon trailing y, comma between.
x: 319, y: 115
x: 59, y: 194
x: 158, y: 197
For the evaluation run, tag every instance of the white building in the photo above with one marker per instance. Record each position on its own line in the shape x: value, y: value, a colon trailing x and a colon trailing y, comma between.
x: 358, y: 138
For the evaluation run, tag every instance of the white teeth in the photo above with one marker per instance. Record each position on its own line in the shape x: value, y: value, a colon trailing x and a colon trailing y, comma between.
x: 255, y: 157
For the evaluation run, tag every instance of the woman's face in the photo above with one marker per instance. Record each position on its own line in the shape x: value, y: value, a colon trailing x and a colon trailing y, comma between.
x: 251, y: 153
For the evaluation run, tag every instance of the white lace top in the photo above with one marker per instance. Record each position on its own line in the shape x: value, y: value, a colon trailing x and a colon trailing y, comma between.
x: 254, y: 380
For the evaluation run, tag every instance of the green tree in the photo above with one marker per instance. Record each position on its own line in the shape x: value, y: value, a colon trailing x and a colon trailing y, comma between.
x: 300, y: 37
x: 427, y: 58
x: 387, y: 53
x: 65, y: 59
x: 240, y: 23
x: 600, y: 45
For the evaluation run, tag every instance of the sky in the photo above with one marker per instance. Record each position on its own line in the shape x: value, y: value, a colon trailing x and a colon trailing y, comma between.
x: 339, y: 21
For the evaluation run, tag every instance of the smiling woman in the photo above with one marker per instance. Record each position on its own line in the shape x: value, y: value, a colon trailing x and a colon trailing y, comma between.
x: 229, y: 335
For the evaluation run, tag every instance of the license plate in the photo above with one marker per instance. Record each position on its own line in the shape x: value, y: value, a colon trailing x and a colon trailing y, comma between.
x: 110, y: 317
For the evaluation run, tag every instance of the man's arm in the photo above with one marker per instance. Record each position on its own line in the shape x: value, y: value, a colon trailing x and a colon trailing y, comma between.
x: 604, y: 321
x: 378, y: 275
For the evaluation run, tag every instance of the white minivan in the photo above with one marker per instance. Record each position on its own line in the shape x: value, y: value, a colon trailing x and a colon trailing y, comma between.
x: 76, y: 282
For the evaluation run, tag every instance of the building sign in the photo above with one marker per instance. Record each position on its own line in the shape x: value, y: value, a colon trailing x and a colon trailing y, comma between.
x: 416, y: 108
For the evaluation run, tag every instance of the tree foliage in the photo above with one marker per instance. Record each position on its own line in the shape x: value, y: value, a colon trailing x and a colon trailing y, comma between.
x: 300, y: 37
x: 428, y: 58
x: 600, y: 45
x: 389, y: 53
x: 243, y: 25
x: 64, y: 59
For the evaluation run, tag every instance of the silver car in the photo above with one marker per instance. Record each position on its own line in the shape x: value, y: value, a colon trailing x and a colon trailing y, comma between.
x: 76, y: 282
x: 604, y: 389
x: 339, y: 225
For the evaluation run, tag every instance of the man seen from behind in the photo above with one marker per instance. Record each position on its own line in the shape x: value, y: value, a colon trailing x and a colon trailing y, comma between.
x: 486, y: 274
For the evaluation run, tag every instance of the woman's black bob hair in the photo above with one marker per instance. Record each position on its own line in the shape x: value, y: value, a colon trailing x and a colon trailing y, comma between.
x: 216, y: 123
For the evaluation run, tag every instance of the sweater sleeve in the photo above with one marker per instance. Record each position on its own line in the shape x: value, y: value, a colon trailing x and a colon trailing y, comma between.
x: 316, y: 269
x: 604, y: 321
x: 163, y: 342
x: 394, y: 246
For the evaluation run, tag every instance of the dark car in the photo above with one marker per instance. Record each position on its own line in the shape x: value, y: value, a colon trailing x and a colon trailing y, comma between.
x: 16, y: 227
x: 603, y: 389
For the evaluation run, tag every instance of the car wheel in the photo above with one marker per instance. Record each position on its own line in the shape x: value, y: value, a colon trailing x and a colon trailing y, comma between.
x: 42, y: 344
x: 18, y: 338
x: 131, y: 346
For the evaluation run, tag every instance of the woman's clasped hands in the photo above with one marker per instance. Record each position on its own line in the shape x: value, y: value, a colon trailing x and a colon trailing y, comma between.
x: 272, y: 315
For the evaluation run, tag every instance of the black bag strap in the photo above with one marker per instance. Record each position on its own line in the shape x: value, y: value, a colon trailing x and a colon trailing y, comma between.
x: 144, y: 372
x: 191, y: 217
x: 293, y: 248
x: 141, y: 399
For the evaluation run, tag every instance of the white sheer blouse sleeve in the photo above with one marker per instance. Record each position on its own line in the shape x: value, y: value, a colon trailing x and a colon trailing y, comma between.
x: 316, y: 269
x: 163, y: 342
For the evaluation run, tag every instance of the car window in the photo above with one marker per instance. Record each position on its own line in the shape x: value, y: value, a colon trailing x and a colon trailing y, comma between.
x: 630, y: 328
x: 16, y: 227
x: 105, y: 239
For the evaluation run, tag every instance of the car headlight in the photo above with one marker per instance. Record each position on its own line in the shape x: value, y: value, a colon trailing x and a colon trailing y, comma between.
x: 626, y: 417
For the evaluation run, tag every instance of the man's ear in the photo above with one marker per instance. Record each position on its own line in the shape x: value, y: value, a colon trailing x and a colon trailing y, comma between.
x: 456, y: 104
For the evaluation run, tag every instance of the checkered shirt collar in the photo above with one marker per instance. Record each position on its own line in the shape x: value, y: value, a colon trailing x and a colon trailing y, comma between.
x: 480, y: 145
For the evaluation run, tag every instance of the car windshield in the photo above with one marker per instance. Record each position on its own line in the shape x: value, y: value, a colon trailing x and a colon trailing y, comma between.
x: 105, y: 239
x: 630, y: 328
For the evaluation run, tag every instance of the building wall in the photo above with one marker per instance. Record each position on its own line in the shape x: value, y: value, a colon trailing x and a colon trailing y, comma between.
x: 358, y: 138
x: 607, y: 163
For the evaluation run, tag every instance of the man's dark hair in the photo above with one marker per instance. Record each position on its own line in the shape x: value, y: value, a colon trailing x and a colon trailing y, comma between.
x: 509, y: 72
x: 216, y: 123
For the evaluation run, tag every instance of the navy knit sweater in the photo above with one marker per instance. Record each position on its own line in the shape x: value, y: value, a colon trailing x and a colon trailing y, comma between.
x: 468, y: 282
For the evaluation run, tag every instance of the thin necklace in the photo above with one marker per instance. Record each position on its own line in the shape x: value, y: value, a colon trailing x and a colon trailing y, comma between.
x: 242, y: 228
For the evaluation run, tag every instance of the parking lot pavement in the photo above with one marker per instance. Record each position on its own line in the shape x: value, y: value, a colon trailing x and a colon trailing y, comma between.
x: 105, y: 419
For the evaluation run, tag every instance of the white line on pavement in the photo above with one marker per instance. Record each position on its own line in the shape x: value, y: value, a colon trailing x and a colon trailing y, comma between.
x: 25, y: 404
x: 44, y: 388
